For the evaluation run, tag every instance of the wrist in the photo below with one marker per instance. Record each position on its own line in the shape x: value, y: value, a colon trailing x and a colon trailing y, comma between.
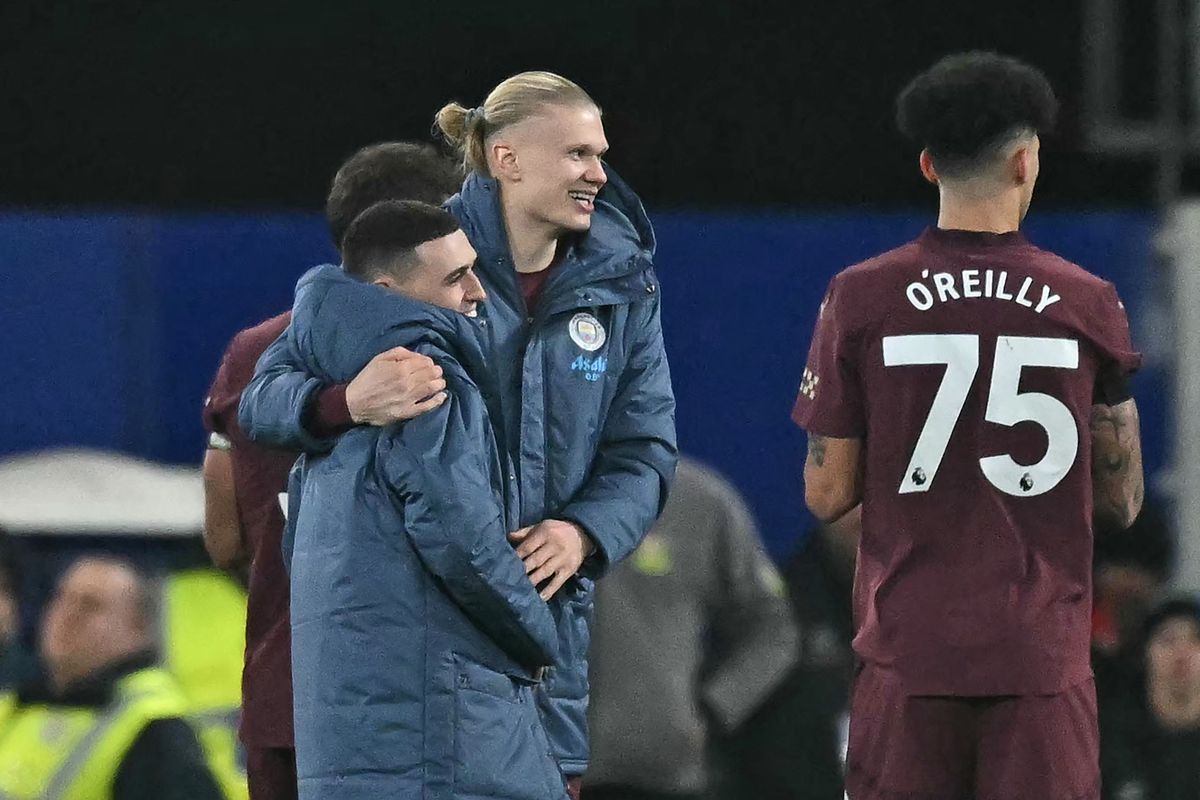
x: 589, y: 544
x: 330, y: 414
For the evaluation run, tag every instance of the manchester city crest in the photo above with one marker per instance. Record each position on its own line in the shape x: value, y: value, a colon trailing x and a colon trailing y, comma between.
x: 587, y: 332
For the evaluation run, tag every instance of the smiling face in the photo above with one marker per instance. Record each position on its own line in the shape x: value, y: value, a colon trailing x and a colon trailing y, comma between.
x: 550, y: 165
x: 442, y: 274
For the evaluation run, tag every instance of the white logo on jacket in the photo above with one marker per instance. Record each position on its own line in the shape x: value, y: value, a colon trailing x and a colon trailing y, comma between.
x: 587, y: 332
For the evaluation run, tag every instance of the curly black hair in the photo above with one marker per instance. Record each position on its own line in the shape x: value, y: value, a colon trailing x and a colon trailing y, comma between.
x: 967, y: 104
x: 388, y: 171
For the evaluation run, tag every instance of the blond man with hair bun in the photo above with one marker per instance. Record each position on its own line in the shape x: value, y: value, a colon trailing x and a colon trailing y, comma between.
x: 572, y: 330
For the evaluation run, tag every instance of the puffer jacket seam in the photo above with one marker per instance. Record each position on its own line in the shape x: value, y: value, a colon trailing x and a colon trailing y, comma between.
x: 426, y: 761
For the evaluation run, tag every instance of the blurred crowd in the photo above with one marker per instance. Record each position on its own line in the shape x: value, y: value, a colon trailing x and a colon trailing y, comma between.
x: 715, y: 674
x: 132, y: 686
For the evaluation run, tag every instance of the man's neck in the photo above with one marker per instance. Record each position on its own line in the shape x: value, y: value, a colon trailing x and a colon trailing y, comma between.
x: 533, y: 242
x: 994, y: 214
x: 1175, y: 709
x: 67, y: 677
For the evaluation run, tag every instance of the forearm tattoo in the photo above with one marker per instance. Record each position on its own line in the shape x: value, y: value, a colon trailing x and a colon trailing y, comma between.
x: 816, y: 449
x: 1119, y: 485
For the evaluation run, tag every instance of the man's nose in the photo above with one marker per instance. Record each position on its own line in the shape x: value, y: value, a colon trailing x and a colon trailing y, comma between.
x: 596, y: 173
x: 477, y: 293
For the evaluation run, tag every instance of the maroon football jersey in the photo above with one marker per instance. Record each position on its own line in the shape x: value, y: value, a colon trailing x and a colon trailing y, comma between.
x: 260, y: 474
x: 968, y: 362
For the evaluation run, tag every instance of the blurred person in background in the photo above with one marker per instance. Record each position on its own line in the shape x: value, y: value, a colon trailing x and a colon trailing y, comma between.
x: 417, y: 637
x: 16, y: 665
x: 243, y: 480
x: 793, y: 747
x: 693, y: 627
x: 566, y: 257
x: 974, y: 573
x: 1150, y: 739
x: 1130, y: 567
x: 106, y: 723
x: 202, y: 625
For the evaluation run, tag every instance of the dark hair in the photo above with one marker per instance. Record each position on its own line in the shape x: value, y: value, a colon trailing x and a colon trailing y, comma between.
x: 1182, y: 607
x: 381, y: 240
x: 388, y: 171
x: 966, y: 105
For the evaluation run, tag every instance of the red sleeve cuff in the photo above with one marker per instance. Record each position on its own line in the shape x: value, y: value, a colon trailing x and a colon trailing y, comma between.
x: 328, y: 416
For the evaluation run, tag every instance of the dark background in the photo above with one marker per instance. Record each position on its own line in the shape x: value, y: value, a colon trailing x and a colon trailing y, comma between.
x: 164, y: 163
x: 184, y: 104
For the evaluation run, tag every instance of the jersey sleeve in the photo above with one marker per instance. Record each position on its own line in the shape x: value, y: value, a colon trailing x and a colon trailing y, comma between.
x: 1118, y: 358
x: 830, y: 398
x: 221, y: 404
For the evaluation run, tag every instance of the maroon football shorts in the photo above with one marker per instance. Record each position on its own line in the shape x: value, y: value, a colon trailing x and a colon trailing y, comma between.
x: 271, y: 772
x: 971, y: 748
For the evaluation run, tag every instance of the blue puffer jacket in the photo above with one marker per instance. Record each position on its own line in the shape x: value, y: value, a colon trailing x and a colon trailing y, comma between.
x: 588, y: 413
x: 416, y: 635
x: 588, y: 407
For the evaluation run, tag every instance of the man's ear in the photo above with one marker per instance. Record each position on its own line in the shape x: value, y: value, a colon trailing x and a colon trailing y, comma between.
x: 1021, y: 165
x: 928, y: 169
x: 503, y: 160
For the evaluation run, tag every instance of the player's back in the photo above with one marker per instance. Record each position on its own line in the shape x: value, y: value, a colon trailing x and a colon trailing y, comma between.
x: 969, y: 363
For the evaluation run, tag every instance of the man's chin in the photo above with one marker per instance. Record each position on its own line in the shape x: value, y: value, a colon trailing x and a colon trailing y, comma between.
x: 579, y: 223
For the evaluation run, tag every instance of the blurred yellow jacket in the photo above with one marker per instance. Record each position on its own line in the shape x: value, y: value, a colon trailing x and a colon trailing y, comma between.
x: 51, y: 752
x: 204, y: 636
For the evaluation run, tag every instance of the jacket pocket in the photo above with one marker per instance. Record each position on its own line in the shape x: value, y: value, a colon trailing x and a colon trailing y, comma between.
x: 500, y: 749
x: 570, y: 678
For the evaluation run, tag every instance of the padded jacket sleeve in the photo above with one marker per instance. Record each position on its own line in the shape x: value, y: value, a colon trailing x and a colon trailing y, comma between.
x: 444, y: 474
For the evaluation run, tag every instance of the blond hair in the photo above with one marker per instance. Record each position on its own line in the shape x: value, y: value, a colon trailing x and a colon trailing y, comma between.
x: 514, y: 100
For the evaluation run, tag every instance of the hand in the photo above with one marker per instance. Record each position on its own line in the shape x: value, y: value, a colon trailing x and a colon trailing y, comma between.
x: 553, y: 551
x: 396, y: 385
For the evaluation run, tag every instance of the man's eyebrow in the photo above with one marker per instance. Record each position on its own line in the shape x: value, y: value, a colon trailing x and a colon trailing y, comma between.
x: 458, y: 273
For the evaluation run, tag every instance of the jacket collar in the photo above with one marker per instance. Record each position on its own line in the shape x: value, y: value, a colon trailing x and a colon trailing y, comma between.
x: 326, y: 297
x: 621, y: 240
x: 94, y: 690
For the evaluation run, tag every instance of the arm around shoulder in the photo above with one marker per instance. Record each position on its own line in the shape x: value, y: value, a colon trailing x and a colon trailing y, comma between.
x: 273, y: 406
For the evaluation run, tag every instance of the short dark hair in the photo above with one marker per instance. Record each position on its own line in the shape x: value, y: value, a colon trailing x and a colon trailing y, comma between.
x: 1180, y: 607
x: 381, y: 240
x: 968, y: 104
x: 388, y: 171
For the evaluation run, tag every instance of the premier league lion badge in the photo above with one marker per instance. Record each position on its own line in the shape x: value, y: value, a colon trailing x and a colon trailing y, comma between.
x: 587, y: 332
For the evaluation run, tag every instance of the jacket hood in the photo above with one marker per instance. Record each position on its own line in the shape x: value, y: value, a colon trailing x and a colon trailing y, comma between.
x: 340, y: 323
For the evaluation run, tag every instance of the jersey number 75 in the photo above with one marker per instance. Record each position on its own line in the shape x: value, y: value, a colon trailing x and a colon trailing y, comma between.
x: 1005, y: 406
